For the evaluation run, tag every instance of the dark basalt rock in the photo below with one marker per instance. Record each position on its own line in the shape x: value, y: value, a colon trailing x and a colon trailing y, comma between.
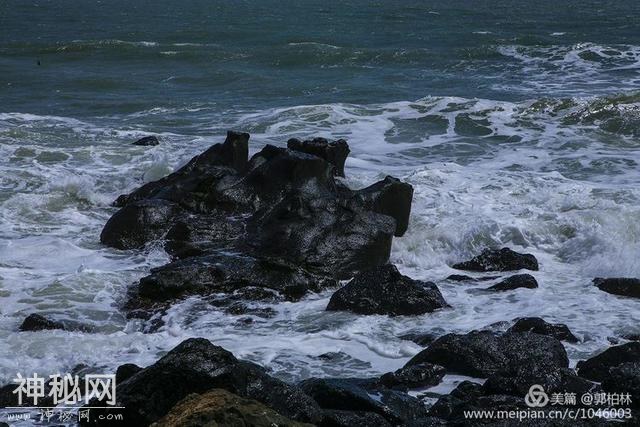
x: 355, y: 394
x: 383, y: 290
x: 415, y: 376
x: 499, y: 260
x: 138, y: 223
x: 626, y: 287
x: 334, y: 152
x: 539, y: 326
x: 517, y: 380
x: 337, y: 418
x: 126, y: 371
x: 37, y: 322
x: 196, y: 366
x: 483, y: 353
x: 598, y: 367
x: 624, y: 378
x: 147, y: 141
x: 218, y: 408
x: 281, y: 207
x: 515, y: 282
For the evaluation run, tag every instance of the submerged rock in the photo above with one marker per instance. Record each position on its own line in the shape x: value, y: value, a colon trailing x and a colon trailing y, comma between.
x: 37, y: 322
x: 147, y: 141
x: 218, y: 407
x: 515, y: 282
x: 383, y: 290
x: 483, y: 353
x: 626, y: 287
x: 499, y: 260
x: 598, y: 367
x: 539, y: 326
x: 196, y: 366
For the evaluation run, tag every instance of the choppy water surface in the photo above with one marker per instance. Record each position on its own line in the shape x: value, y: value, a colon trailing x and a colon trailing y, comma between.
x: 516, y: 127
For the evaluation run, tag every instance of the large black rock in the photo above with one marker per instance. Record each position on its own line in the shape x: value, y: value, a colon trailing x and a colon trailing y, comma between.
x: 539, y: 326
x: 499, y: 260
x: 383, y: 290
x: 483, y: 353
x: 196, y: 366
x: 624, y: 378
x: 414, y: 376
x: 37, y: 322
x: 515, y: 282
x: 627, y: 287
x: 598, y: 367
x: 281, y: 208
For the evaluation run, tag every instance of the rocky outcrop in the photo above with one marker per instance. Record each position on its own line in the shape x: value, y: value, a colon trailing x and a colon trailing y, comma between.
x: 483, y: 353
x: 383, y: 290
x: 626, y: 287
x: 283, y: 216
x: 364, y: 395
x: 499, y: 260
x: 624, y: 378
x: 515, y: 282
x: 217, y: 408
x: 539, y: 326
x: 197, y: 366
x: 147, y: 141
x: 414, y: 376
x: 37, y: 322
x: 598, y: 367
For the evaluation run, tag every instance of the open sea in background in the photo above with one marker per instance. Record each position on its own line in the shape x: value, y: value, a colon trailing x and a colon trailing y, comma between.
x: 517, y: 123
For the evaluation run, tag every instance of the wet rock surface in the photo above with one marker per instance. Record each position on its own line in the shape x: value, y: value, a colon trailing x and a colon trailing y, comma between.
x: 147, y: 141
x: 383, y: 290
x: 37, y: 322
x: 624, y: 378
x: 515, y: 282
x: 279, y: 220
x: 597, y: 368
x: 196, y: 366
x: 623, y: 286
x: 503, y: 259
x: 414, y: 376
x: 540, y: 326
x: 483, y: 353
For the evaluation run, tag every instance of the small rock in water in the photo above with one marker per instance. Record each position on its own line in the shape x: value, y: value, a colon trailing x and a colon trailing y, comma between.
x: 539, y: 326
x: 421, y: 338
x: 383, y: 290
x: 624, y: 286
x: 499, y: 260
x: 515, y: 282
x: 37, y: 322
x: 147, y: 141
x: 597, y: 368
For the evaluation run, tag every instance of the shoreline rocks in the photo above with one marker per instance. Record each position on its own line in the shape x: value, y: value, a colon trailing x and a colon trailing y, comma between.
x: 623, y: 286
x: 503, y: 259
x: 539, y: 326
x: 597, y: 368
x: 514, y: 282
x: 37, y: 322
x: 383, y: 290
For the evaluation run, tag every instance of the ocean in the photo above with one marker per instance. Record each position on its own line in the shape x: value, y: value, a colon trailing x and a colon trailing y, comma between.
x: 517, y: 123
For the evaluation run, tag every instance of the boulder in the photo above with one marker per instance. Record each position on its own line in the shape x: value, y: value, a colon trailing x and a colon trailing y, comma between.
x: 414, y: 376
x: 147, y: 141
x: 37, y: 322
x: 483, y: 353
x: 334, y: 152
x: 363, y: 395
x: 598, y: 367
x: 126, y: 371
x: 624, y: 378
x: 499, y: 260
x: 383, y: 290
x: 390, y: 197
x: 197, y: 366
x: 626, y: 287
x: 515, y: 282
x: 218, y: 407
x: 539, y: 326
